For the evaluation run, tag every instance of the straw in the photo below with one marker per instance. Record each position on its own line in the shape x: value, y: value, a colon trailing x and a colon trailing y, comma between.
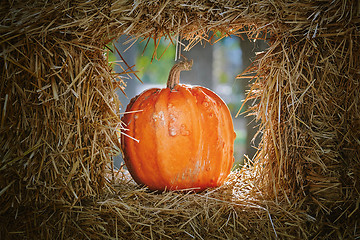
x: 60, y: 121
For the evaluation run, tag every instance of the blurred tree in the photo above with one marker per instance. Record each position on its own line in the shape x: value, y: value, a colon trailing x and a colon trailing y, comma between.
x: 154, y: 67
x: 201, y: 72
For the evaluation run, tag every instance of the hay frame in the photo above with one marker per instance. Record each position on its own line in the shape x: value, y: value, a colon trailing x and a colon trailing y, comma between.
x: 60, y: 118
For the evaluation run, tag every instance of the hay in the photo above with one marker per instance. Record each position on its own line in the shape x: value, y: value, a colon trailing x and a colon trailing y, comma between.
x: 229, y: 212
x: 60, y: 119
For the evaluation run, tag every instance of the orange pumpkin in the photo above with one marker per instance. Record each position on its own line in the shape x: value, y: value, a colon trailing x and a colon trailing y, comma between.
x: 185, y: 136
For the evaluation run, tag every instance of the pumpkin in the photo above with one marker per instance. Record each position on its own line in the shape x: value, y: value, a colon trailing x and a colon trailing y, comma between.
x: 179, y: 137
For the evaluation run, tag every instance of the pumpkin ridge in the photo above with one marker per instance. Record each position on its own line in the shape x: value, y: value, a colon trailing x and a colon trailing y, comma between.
x: 221, y: 129
x: 223, y: 123
x: 155, y: 167
x: 214, y: 152
x: 195, y: 135
x: 140, y: 171
x: 157, y: 130
x: 203, y: 152
x: 173, y: 133
x: 136, y: 165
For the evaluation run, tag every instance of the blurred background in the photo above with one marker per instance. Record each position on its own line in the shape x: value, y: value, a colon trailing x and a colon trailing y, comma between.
x: 215, y: 67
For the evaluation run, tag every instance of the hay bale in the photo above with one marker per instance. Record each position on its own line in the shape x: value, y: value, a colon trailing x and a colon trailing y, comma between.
x: 59, y: 121
x: 59, y: 107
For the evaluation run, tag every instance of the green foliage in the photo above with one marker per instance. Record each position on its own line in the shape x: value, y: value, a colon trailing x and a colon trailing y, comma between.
x: 110, y: 54
x: 155, y: 67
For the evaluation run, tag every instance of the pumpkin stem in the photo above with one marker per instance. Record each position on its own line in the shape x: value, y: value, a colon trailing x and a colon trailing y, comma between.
x: 174, y: 75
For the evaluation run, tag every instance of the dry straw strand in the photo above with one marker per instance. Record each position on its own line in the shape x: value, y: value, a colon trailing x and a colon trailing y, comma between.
x: 60, y: 119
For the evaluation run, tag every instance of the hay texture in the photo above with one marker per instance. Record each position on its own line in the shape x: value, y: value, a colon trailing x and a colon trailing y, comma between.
x: 60, y: 121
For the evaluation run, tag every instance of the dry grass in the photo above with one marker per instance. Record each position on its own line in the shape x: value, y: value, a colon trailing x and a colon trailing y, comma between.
x: 60, y: 119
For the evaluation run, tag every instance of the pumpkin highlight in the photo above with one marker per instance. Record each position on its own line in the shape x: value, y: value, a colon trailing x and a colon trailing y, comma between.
x: 185, y: 133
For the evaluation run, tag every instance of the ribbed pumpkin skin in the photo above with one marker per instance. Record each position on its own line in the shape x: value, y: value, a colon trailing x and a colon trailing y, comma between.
x: 186, y: 138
